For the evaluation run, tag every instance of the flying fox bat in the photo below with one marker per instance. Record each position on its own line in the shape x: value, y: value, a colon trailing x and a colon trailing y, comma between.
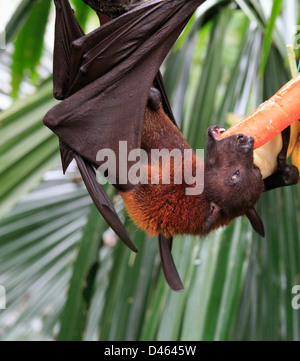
x: 112, y: 91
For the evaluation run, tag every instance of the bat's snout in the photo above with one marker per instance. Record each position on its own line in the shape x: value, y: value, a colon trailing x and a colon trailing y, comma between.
x: 244, y: 143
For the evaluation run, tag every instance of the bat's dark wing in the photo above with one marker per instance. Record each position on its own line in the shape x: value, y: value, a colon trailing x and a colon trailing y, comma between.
x: 97, y: 193
x: 102, y: 201
x: 159, y: 84
x: 119, y: 62
x: 67, y: 30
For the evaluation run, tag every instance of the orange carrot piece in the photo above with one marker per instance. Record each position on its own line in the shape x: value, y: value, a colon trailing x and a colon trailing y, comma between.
x: 271, y: 117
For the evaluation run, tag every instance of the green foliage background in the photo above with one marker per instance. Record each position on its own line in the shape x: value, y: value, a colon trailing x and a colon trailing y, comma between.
x: 64, y: 282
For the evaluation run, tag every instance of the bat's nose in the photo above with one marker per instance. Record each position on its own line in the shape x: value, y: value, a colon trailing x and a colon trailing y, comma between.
x: 242, y: 139
x: 251, y: 140
x: 244, y: 143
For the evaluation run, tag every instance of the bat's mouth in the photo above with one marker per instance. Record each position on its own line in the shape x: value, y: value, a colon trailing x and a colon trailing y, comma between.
x: 215, y: 132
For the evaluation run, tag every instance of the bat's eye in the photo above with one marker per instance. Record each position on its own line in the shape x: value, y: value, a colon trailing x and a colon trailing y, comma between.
x: 235, y: 177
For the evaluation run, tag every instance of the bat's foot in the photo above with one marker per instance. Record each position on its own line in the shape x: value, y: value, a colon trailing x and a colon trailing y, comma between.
x: 287, y: 176
x: 290, y: 175
x: 154, y: 99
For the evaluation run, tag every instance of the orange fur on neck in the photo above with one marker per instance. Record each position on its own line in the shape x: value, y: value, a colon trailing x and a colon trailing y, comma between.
x: 164, y: 208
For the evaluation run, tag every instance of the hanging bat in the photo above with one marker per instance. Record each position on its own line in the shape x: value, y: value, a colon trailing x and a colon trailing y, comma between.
x: 112, y: 91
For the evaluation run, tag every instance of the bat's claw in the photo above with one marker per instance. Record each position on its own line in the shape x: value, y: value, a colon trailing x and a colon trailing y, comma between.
x: 154, y: 99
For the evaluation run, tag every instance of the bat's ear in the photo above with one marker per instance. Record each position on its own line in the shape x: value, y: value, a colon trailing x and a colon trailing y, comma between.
x: 256, y: 222
x: 168, y: 265
x: 214, y: 213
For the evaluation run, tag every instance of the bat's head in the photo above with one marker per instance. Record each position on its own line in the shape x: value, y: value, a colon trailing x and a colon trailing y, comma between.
x: 233, y: 183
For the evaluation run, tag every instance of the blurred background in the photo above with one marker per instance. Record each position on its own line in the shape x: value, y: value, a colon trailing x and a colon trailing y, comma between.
x: 66, y: 275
